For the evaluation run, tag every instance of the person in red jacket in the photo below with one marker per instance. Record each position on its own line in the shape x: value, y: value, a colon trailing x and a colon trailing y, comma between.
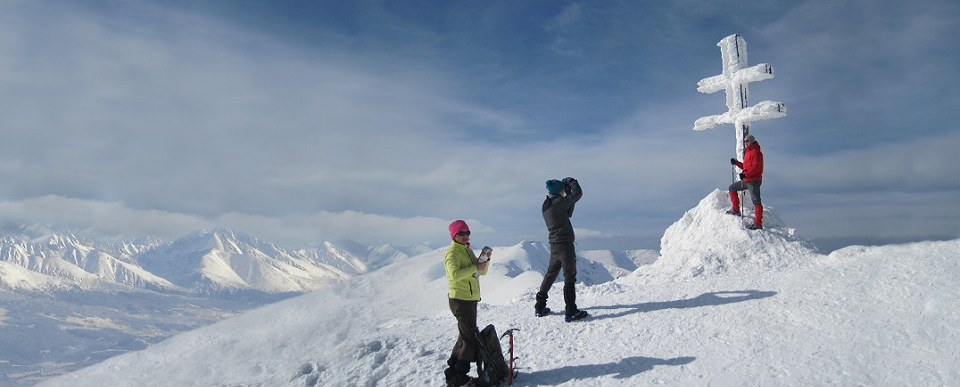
x: 750, y: 179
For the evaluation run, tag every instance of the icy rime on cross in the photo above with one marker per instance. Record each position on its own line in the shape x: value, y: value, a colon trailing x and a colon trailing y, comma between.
x: 736, y: 75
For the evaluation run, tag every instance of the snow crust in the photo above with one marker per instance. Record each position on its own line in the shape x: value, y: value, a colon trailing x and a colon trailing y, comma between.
x: 722, y: 306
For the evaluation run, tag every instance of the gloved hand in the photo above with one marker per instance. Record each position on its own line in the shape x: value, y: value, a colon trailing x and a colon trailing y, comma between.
x: 733, y: 161
x: 742, y: 176
x: 567, y: 180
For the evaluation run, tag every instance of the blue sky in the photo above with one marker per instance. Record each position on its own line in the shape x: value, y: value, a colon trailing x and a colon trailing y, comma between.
x: 382, y: 121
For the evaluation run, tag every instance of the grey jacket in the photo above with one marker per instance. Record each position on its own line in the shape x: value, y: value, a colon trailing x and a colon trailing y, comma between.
x: 557, y: 211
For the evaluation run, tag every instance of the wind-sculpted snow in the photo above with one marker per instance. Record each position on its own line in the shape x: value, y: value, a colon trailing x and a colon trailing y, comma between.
x: 721, y: 307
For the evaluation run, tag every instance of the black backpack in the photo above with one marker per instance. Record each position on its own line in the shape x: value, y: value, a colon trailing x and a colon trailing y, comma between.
x: 492, y: 369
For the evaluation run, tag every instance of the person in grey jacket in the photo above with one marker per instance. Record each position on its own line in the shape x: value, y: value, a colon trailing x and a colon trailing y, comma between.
x: 557, y: 210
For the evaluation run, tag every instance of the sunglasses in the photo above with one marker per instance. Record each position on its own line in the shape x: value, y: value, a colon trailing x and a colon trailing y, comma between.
x: 463, y: 233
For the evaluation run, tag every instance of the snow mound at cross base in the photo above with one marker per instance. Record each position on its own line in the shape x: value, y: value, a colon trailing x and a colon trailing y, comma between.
x: 708, y: 241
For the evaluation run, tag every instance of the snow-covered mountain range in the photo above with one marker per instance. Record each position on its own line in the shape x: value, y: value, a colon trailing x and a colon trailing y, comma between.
x: 223, y: 261
x: 721, y: 306
x: 217, y: 261
x: 100, y: 296
x: 67, y: 301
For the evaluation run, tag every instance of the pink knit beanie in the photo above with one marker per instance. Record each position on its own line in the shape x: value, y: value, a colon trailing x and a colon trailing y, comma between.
x: 457, y: 226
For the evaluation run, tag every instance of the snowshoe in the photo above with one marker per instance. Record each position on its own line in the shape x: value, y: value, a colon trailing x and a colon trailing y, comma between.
x: 754, y: 227
x: 734, y: 213
x: 542, y: 312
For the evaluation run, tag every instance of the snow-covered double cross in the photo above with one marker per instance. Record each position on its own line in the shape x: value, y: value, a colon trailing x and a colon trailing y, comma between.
x: 736, y: 75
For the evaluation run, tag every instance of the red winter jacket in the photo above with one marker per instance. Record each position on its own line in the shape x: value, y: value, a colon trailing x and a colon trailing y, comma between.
x: 752, y: 164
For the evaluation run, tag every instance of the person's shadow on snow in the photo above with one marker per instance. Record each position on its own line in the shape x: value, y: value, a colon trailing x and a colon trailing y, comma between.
x: 626, y: 368
x: 706, y: 299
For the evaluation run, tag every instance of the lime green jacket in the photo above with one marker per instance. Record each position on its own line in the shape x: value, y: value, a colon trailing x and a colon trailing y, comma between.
x: 461, y: 265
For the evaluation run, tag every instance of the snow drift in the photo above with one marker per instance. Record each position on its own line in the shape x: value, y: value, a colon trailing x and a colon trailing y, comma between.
x: 705, y: 241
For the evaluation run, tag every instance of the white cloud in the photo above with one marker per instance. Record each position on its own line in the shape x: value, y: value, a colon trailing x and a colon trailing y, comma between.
x: 208, y: 124
x: 368, y: 229
x: 111, y: 218
x: 291, y: 231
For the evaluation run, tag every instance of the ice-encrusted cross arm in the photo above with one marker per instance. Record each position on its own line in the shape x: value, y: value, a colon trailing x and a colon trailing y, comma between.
x: 734, y: 79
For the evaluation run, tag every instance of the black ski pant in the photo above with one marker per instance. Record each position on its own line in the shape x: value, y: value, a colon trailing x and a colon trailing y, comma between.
x: 562, y: 255
x: 465, y: 350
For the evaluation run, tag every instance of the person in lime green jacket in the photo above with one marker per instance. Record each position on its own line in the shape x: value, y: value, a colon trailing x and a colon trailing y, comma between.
x: 462, y: 267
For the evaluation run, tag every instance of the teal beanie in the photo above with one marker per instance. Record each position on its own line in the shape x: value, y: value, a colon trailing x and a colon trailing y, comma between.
x: 555, y: 186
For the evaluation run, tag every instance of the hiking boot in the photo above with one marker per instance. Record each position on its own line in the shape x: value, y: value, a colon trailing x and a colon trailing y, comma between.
x: 754, y: 227
x: 542, y: 312
x: 734, y: 213
x: 456, y: 375
x: 581, y: 314
x: 453, y: 379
